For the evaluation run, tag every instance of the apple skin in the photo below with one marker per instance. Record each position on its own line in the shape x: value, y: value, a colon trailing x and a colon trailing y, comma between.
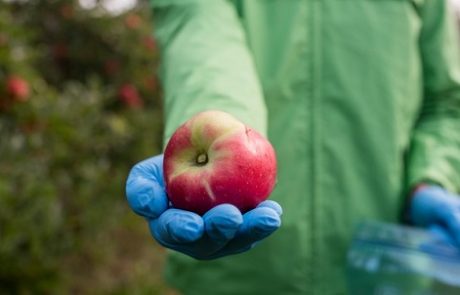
x: 214, y: 159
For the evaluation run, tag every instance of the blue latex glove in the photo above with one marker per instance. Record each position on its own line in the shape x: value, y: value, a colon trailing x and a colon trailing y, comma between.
x: 433, y: 207
x: 221, y: 231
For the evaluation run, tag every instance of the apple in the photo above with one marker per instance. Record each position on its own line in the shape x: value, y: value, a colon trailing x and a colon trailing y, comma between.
x: 129, y: 95
x: 213, y: 159
x: 18, y: 88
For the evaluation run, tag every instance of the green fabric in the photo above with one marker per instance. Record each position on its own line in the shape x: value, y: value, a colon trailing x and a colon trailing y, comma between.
x: 361, y: 99
x: 202, y: 72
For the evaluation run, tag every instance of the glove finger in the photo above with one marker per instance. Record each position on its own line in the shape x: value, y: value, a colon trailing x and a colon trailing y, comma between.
x: 273, y: 205
x: 452, y: 222
x: 441, y: 235
x: 222, y: 222
x: 175, y: 228
x: 145, y: 188
x: 258, y: 224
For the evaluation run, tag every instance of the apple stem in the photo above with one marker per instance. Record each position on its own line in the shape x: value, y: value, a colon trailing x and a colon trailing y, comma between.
x: 202, y: 159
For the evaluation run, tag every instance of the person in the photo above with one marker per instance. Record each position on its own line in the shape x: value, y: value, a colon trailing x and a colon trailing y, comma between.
x: 361, y: 100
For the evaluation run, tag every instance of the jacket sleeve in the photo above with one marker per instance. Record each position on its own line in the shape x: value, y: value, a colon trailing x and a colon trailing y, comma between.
x: 205, y: 63
x: 435, y: 153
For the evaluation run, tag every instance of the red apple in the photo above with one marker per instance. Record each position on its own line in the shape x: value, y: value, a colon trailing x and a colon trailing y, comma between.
x: 214, y: 159
x: 129, y: 95
x: 18, y: 88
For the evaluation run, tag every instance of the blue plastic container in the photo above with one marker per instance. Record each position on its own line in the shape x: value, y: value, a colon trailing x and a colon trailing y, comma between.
x: 387, y: 259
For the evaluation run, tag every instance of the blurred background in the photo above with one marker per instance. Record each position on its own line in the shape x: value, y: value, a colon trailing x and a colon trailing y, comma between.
x: 79, y: 105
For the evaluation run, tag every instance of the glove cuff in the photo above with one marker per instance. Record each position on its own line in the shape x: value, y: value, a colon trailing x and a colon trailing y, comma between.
x: 406, y: 208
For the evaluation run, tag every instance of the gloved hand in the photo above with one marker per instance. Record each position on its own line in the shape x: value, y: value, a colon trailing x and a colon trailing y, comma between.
x: 221, y: 231
x: 434, y: 206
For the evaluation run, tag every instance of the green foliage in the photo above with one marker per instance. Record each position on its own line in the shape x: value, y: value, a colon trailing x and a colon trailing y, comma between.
x: 90, y: 110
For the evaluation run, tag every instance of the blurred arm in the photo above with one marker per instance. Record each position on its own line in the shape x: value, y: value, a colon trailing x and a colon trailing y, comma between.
x: 205, y: 62
x: 435, y: 151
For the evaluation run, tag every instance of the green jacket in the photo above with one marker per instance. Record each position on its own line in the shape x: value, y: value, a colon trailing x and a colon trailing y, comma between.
x: 361, y: 99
